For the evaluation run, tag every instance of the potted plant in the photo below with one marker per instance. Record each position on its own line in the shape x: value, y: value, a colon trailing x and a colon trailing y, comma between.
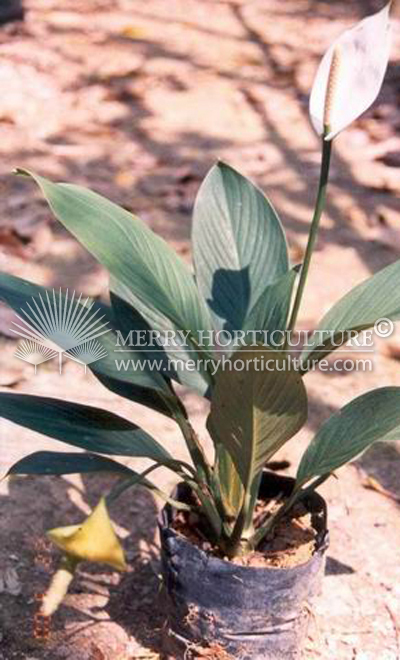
x: 220, y: 529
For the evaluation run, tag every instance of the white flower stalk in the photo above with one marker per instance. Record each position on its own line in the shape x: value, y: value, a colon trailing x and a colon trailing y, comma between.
x: 351, y: 74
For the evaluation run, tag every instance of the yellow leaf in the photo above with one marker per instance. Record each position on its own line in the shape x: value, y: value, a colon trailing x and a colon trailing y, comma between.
x: 93, y: 540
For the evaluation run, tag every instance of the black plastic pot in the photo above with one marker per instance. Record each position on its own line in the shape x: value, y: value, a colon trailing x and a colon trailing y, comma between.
x: 11, y: 10
x: 250, y: 613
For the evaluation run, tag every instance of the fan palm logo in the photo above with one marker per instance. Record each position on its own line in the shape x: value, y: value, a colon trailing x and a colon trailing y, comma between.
x: 56, y: 325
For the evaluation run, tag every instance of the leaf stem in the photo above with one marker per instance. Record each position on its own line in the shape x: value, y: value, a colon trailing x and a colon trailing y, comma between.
x: 315, y: 484
x: 235, y: 544
x: 198, y: 456
x: 312, y: 237
x: 297, y: 494
x: 273, y: 520
x: 124, y: 484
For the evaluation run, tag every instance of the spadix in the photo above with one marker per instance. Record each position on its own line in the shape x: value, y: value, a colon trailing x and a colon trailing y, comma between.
x: 351, y: 74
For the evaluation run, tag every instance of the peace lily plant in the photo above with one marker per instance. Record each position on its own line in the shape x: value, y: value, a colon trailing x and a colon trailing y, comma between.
x: 243, y: 281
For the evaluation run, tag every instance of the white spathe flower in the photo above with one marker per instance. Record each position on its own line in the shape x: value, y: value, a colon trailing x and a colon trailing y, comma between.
x: 351, y: 74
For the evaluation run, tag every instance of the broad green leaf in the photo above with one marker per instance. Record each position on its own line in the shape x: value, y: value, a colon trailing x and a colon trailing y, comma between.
x: 239, y: 245
x: 144, y: 395
x: 376, y: 298
x: 228, y: 482
x: 82, y: 426
x: 174, y: 359
x: 368, y: 418
x: 271, y: 310
x: 141, y: 385
x: 57, y: 463
x: 360, y: 56
x: 139, y: 479
x: 258, y: 404
x: 159, y: 280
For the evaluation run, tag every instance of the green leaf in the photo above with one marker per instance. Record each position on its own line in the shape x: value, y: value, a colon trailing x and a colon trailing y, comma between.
x: 256, y: 407
x: 143, y: 395
x: 376, y: 298
x: 82, y: 426
x: 271, y: 310
x: 158, y: 279
x: 239, y: 245
x: 137, y: 479
x: 228, y: 482
x: 371, y: 417
x: 142, y: 385
x: 174, y: 360
x: 57, y: 463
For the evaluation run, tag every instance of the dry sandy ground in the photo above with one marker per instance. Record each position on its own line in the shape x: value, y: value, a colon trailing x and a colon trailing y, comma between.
x: 137, y: 99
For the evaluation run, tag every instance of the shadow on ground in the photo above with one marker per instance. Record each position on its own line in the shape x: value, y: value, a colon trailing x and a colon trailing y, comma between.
x: 382, y: 461
x: 97, y: 594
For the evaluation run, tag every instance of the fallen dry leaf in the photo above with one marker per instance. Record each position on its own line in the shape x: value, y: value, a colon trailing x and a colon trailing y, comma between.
x: 372, y: 484
x: 9, y: 582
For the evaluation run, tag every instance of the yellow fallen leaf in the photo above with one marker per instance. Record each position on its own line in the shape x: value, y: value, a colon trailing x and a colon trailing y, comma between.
x: 93, y: 540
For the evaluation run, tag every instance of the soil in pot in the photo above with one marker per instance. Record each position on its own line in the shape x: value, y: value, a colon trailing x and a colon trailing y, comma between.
x: 292, y: 542
x: 252, y: 608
